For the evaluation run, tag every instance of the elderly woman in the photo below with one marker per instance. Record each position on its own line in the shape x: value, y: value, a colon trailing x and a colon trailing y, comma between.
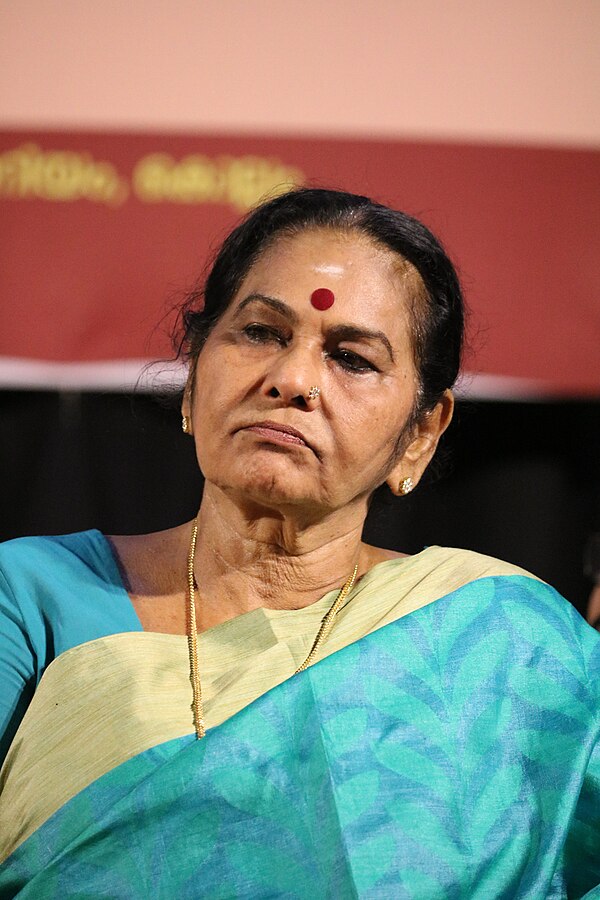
x: 258, y: 703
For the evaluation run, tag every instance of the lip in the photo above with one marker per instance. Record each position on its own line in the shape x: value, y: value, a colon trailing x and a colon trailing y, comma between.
x: 279, y: 433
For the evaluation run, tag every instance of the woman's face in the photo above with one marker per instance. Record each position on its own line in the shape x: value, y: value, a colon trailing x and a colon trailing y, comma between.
x: 271, y: 346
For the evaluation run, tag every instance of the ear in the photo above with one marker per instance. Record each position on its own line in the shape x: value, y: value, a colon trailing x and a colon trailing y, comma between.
x: 186, y: 403
x: 422, y: 444
x: 186, y: 400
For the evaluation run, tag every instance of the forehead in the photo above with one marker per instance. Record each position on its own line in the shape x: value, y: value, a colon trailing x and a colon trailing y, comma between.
x: 366, y: 278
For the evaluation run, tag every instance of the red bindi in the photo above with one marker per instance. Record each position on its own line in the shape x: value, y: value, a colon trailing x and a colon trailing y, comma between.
x: 322, y: 298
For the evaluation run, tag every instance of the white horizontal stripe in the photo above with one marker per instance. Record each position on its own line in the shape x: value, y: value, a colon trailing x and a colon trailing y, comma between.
x: 121, y: 375
x: 148, y: 376
x: 504, y: 387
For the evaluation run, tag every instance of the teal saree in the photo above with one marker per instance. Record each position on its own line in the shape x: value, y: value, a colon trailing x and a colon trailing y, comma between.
x: 452, y: 753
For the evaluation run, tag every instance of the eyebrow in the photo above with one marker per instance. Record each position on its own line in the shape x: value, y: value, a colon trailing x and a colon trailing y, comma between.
x: 339, y: 332
x: 277, y: 305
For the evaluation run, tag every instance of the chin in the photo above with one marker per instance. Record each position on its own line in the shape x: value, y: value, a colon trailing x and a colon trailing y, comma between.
x: 274, y: 494
x: 272, y: 486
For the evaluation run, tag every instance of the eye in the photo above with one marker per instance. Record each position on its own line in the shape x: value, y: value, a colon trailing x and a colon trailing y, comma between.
x: 262, y: 334
x: 353, y: 362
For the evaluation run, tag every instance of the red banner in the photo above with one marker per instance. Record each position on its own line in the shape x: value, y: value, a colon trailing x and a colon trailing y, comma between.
x: 101, y: 231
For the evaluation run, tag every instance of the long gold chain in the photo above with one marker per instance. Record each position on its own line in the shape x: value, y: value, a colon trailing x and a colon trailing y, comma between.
x: 192, y: 633
x: 327, y: 623
x: 192, y: 636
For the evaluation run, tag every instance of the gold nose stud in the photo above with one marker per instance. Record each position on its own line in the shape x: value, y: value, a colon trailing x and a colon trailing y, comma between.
x: 313, y: 392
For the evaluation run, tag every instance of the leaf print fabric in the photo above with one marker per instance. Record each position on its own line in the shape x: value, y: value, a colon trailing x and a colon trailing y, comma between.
x: 451, y: 754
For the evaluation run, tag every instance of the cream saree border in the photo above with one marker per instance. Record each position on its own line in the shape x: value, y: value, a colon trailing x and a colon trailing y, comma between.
x: 105, y: 701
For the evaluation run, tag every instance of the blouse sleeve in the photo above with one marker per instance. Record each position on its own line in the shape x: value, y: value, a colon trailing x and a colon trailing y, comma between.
x: 17, y: 666
x: 55, y: 593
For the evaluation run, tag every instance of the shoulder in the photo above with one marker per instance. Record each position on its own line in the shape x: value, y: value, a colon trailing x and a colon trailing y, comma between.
x: 462, y: 588
x: 58, y: 592
x: 29, y: 562
x: 38, y: 576
x: 485, y: 578
x: 41, y: 544
x: 67, y: 586
x: 464, y: 566
x: 442, y: 573
x: 487, y: 596
x: 495, y: 623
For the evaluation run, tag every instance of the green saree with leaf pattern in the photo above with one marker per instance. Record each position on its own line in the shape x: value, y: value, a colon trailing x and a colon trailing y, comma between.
x: 444, y: 746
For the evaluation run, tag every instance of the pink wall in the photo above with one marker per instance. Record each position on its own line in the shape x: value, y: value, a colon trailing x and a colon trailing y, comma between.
x: 520, y: 70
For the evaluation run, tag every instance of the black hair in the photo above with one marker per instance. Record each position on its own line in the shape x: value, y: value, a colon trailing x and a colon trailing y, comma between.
x: 436, y: 305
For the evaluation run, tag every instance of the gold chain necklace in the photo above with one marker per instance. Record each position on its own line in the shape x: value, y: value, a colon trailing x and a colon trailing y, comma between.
x: 192, y: 634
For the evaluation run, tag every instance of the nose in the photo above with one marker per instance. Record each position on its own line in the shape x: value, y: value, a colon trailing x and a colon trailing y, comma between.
x: 294, y: 377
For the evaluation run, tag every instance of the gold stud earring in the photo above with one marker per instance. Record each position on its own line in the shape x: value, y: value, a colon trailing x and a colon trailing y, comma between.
x: 186, y: 425
x: 406, y: 486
